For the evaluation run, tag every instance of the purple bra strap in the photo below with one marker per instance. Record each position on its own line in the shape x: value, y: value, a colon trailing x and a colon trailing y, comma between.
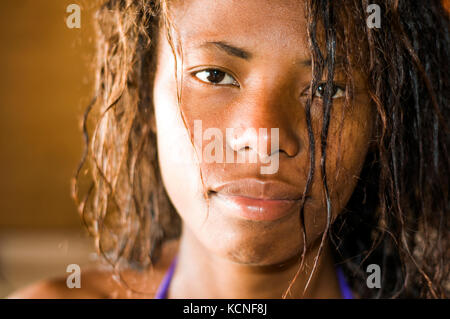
x: 346, y: 292
x: 161, y: 293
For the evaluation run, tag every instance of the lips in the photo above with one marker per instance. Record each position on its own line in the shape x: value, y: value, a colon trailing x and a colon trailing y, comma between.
x: 258, y: 200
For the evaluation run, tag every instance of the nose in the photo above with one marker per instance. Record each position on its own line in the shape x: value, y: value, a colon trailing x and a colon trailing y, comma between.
x: 263, y: 122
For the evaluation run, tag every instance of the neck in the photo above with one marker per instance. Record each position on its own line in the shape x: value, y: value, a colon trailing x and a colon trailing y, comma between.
x: 201, y: 274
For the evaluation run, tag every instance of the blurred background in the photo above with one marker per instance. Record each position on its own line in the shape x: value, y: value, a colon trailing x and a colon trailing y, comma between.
x: 45, y: 84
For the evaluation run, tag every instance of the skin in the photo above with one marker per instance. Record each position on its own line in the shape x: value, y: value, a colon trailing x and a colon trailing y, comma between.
x: 246, y: 258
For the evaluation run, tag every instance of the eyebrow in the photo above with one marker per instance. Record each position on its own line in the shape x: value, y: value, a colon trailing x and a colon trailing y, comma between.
x: 246, y: 55
x: 229, y: 49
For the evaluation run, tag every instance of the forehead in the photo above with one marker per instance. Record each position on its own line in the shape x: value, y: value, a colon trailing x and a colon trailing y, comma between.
x: 263, y: 25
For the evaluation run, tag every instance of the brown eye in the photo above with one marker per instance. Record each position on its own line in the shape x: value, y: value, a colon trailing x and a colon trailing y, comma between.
x: 336, y: 93
x: 216, y: 77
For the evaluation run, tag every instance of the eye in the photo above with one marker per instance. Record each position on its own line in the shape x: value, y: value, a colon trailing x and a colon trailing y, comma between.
x: 337, y: 91
x: 215, y: 77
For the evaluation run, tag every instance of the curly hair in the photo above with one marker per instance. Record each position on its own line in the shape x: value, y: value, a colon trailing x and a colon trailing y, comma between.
x: 397, y: 216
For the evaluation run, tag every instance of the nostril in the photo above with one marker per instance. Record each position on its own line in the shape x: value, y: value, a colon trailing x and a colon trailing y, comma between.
x: 245, y: 148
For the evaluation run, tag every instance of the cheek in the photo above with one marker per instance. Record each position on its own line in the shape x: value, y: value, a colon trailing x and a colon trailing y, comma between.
x: 177, y: 158
x: 348, y: 141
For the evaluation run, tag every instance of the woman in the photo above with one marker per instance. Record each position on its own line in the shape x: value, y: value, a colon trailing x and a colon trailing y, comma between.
x: 261, y: 149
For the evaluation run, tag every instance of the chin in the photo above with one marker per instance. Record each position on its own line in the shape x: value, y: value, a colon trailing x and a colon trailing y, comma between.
x: 260, y: 255
x: 250, y: 245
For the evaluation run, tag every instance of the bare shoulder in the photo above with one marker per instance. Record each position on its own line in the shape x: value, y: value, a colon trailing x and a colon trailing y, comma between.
x: 57, y: 288
x: 98, y: 283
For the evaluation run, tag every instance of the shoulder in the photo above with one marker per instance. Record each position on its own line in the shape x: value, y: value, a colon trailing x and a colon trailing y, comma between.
x: 97, y: 283
x: 57, y: 288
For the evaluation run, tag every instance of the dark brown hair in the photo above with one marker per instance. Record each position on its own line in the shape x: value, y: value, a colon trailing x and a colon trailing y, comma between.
x: 397, y: 216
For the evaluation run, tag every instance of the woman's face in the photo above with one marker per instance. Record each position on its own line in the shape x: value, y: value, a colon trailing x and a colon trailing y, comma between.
x: 237, y: 173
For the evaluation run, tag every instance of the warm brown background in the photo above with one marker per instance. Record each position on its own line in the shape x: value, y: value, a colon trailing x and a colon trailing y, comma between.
x: 45, y: 83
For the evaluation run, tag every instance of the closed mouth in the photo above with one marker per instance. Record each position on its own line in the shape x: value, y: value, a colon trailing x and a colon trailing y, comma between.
x: 258, y: 200
x: 257, y: 189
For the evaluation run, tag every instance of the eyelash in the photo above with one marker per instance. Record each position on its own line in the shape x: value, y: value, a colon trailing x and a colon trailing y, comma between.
x: 234, y: 82
x: 337, y: 89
